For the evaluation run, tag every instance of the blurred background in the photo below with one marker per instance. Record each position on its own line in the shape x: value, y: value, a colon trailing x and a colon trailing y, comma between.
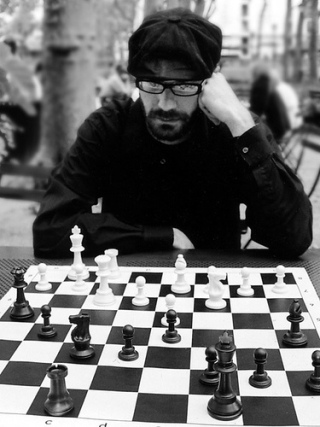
x: 61, y: 59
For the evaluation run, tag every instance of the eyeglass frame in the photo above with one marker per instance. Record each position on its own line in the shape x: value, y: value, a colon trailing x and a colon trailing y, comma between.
x: 170, y: 86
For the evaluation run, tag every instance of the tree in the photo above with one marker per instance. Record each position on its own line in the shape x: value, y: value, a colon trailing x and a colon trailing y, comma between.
x: 287, y: 40
x: 299, y: 48
x: 260, y: 27
x: 69, y: 39
x: 313, y: 44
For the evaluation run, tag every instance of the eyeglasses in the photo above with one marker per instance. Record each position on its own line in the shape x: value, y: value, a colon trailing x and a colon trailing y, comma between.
x: 179, y: 89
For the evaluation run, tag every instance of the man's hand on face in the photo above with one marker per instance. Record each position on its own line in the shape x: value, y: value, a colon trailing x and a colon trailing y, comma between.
x: 220, y: 104
x: 180, y: 240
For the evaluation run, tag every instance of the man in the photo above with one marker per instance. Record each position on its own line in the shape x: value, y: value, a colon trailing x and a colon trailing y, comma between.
x: 173, y: 167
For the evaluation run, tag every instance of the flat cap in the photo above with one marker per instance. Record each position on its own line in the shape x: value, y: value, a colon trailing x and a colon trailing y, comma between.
x: 189, y: 42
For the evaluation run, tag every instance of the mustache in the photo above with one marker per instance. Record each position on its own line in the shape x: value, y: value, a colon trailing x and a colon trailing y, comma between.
x: 167, y: 115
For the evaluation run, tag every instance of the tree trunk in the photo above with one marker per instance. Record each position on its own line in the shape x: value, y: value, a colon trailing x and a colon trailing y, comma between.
x: 259, y: 36
x: 68, y: 74
x: 313, y: 45
x: 287, y: 40
x: 298, y: 51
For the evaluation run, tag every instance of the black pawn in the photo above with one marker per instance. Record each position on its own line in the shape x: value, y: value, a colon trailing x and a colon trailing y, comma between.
x: 210, y: 376
x: 128, y: 352
x: 58, y: 401
x: 294, y: 337
x: 47, y: 330
x: 171, y: 335
x: 260, y: 378
x: 313, y: 383
x: 21, y: 309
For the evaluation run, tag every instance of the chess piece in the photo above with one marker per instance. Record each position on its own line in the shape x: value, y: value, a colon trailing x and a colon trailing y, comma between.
x: 81, y: 337
x: 59, y: 401
x: 47, y: 330
x: 76, y: 240
x: 43, y: 284
x: 104, y: 295
x: 140, y: 299
x: 260, y: 378
x: 313, y: 382
x: 128, y: 352
x: 113, y: 265
x: 280, y: 287
x: 224, y: 404
x: 171, y: 335
x: 21, y: 308
x: 295, y: 337
x: 245, y: 289
x: 181, y: 286
x: 170, y: 304
x: 216, y: 289
x: 79, y: 284
x: 210, y: 376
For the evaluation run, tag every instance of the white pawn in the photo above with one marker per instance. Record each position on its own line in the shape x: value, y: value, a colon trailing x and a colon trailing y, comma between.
x: 181, y: 286
x: 245, y: 289
x: 79, y: 284
x: 104, y: 295
x: 140, y: 299
x: 170, y: 303
x: 43, y: 284
x: 216, y: 290
x: 113, y: 265
x: 280, y: 287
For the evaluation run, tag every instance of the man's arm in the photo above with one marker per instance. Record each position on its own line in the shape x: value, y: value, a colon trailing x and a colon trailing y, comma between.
x: 278, y: 210
x: 74, y: 188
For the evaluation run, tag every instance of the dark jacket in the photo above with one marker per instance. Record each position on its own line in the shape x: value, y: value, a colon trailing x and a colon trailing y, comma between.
x: 148, y: 188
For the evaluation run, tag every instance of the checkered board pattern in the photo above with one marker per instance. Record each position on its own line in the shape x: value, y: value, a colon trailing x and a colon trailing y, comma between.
x: 162, y: 386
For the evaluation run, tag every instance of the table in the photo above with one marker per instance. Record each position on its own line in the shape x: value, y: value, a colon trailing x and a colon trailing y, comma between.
x: 16, y: 256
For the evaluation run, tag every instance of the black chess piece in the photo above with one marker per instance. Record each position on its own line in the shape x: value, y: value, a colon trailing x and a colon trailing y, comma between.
x: 224, y: 404
x: 58, y: 402
x: 128, y: 352
x: 313, y: 382
x: 81, y: 337
x: 21, y: 308
x: 210, y: 376
x: 47, y: 330
x: 171, y: 335
x: 260, y: 378
x: 295, y: 337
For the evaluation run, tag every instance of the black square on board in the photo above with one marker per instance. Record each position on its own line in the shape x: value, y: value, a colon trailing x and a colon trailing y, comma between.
x: 185, y: 320
x: 161, y: 408
x: 245, y: 359
x: 151, y: 277
x: 271, y: 278
x: 311, y: 334
x: 100, y: 317
x: 279, y: 305
x: 196, y: 387
x: 7, y: 348
x: 252, y: 321
x: 37, y: 406
x: 206, y: 337
x: 62, y: 331
x: 64, y: 355
x: 200, y: 306
x: 67, y: 301
x: 168, y: 358
x: 269, y: 411
x: 24, y: 373
x: 297, y: 381
x: 116, y: 378
x: 258, y: 292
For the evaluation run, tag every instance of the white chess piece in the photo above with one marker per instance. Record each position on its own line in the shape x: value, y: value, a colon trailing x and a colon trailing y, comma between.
x: 76, y: 240
x: 170, y: 304
x: 113, y: 265
x: 206, y: 288
x: 216, y: 290
x: 181, y: 286
x: 245, y: 289
x: 104, y: 295
x: 43, y: 284
x: 280, y: 287
x: 140, y: 299
x: 79, y: 284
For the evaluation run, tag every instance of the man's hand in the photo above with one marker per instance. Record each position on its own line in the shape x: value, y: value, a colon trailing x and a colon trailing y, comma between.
x: 180, y: 240
x: 218, y: 101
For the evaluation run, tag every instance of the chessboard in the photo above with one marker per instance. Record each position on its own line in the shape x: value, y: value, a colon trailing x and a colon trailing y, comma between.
x: 161, y: 385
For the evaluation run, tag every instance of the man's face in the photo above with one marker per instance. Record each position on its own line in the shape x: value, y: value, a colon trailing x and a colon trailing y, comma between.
x: 169, y: 117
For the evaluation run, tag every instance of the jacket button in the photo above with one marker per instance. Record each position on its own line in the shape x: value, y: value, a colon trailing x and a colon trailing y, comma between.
x: 163, y: 161
x: 245, y: 150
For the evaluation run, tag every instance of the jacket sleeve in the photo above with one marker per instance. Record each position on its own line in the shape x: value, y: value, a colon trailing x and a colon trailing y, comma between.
x: 74, y: 188
x: 279, y: 212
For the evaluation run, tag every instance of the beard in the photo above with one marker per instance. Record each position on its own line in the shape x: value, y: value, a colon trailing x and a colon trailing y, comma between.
x: 169, y: 127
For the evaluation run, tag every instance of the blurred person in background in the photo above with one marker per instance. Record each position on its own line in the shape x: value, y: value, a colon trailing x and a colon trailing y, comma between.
x: 275, y: 101
x: 117, y: 86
